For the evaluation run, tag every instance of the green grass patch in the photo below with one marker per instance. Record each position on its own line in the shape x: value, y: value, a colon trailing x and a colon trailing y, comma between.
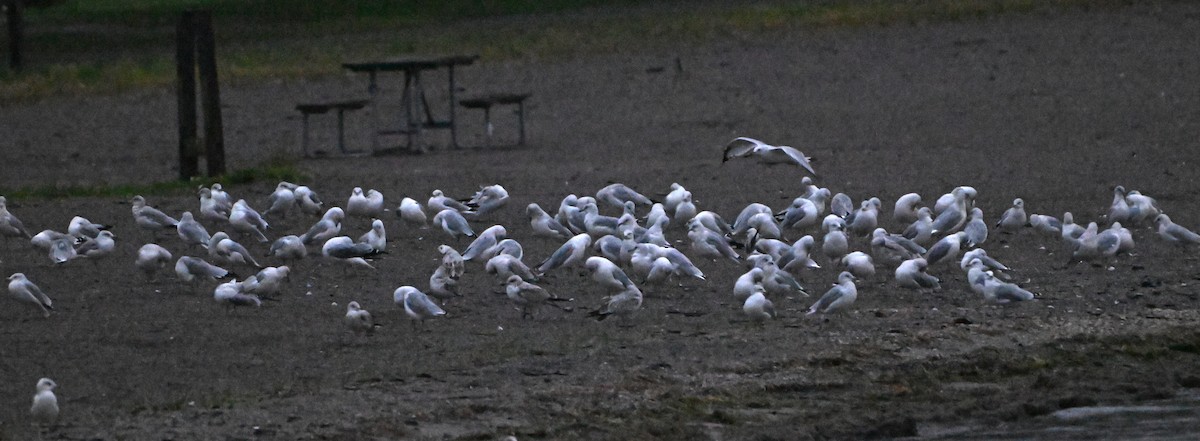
x: 268, y: 173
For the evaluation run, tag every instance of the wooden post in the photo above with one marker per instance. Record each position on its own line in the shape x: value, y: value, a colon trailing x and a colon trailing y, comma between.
x: 210, y: 95
x: 16, y: 30
x: 185, y: 93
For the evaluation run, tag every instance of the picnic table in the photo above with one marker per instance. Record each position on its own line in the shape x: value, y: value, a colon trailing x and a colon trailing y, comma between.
x: 417, y: 113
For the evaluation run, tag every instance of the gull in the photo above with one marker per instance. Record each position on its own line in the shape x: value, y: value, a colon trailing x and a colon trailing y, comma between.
x: 504, y: 265
x: 188, y: 268
x: 906, y: 208
x: 452, y: 261
x: 192, y: 232
x: 921, y: 231
x: 654, y: 233
x: 645, y: 254
x: 10, y: 226
x: 768, y: 154
x: 230, y: 293
x: 713, y: 222
x: 62, y: 249
x: 307, y: 200
x: 1046, y: 224
x: 810, y: 189
x: 819, y: 197
x: 835, y: 245
x: 228, y: 251
x: 597, y: 224
x: 685, y: 210
x: 1173, y: 232
x: 369, y: 205
x: 674, y: 197
x: 946, y: 249
x: 840, y: 297
x: 911, y: 274
x: 859, y: 264
x: 329, y: 226
x: 976, y: 228
x: 288, y: 248
x: 220, y: 196
x: 1141, y: 207
x: 212, y: 210
x: 658, y: 212
x: 607, y: 274
x: 1094, y: 245
x: 610, y: 247
x: 801, y: 255
x: 757, y: 306
x: 763, y: 225
x: 862, y: 222
x: 709, y: 244
x: 1119, y: 210
x: 267, y: 282
x: 617, y: 194
x: 152, y: 258
x: 46, y: 238
x: 526, y: 295
x: 953, y: 216
x: 894, y: 247
x: 149, y: 218
x: 486, y: 239
x: 776, y: 280
x: 345, y: 250
x: 802, y: 213
x: 981, y: 255
x: 977, y: 276
x: 283, y: 199
x: 442, y: 286
x: 947, y: 200
x: 45, y: 405
x: 412, y: 214
x: 841, y: 205
x: 23, y: 290
x: 439, y: 201
x: 1124, y: 235
x: 742, y: 222
x: 566, y: 209
x: 747, y: 284
x: 622, y: 304
x: 485, y: 201
x: 506, y: 246
x: 376, y: 237
x: 661, y: 269
x: 544, y: 225
x: 572, y: 252
x: 1013, y: 218
x: 453, y: 223
x: 245, y: 220
x: 996, y: 291
x: 416, y: 304
x: 358, y: 320
x: 81, y: 227
x: 1070, y: 229
x: 101, y: 246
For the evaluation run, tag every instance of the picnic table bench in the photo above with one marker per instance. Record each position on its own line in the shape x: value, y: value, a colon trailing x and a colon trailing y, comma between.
x: 318, y: 108
x: 485, y: 102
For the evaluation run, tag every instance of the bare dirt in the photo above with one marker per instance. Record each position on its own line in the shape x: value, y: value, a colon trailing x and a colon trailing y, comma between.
x: 1053, y: 108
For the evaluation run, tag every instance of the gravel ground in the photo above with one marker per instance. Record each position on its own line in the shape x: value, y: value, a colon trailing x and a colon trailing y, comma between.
x: 1055, y: 109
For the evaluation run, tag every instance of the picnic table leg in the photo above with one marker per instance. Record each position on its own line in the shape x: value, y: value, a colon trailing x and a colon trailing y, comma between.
x: 521, y: 121
x: 414, y: 121
x: 373, y: 90
x: 304, y: 133
x: 453, y: 122
x: 342, y: 130
x: 406, y: 100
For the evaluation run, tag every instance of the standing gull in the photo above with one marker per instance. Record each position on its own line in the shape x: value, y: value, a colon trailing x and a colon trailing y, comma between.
x: 1013, y: 218
x: 1174, y: 233
x: 10, y: 226
x: 245, y: 220
x: 453, y: 223
x: 192, y: 232
x: 369, y: 205
x: 526, y: 295
x: 570, y: 253
x: 840, y: 297
x: 45, y: 405
x: 757, y: 307
x: 283, y: 199
x: 152, y: 258
x: 149, y: 218
x: 416, y: 304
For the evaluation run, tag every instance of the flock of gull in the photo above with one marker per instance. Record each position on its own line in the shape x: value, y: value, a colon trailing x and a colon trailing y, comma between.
x: 619, y: 237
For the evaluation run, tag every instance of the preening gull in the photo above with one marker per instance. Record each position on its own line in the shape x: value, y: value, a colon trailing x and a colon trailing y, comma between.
x: 416, y: 304
x: 504, y: 265
x: 709, y: 244
x: 452, y: 260
x: 906, y: 208
x: 23, y: 290
x: 617, y: 194
x: 946, y: 249
x: 345, y: 250
x: 747, y: 283
x: 308, y: 201
x: 608, y: 274
x: 911, y: 274
x: 152, y: 258
x: 757, y: 306
x: 674, y: 197
x: 376, y: 237
x: 439, y: 201
x: 102, y: 245
x: 743, y: 147
x: 485, y: 201
x: 287, y: 248
x: 212, y: 210
x: 149, y: 218
x: 245, y: 220
x: 859, y: 264
x: 453, y: 223
x: 189, y: 268
x: 230, y: 293
x: 485, y: 240
x: 359, y: 320
x: 329, y: 226
x: 283, y: 199
x: 442, y: 286
x: 412, y: 214
x: 976, y: 229
x: 81, y: 227
x: 841, y: 205
x: 228, y: 251
x: 621, y: 304
x: 570, y: 253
